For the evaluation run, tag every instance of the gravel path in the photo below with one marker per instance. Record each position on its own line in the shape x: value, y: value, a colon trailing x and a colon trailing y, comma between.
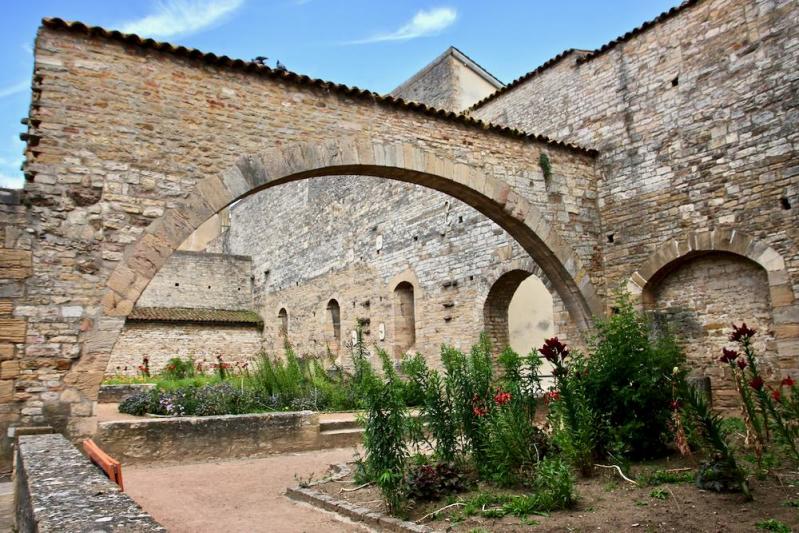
x: 235, y: 496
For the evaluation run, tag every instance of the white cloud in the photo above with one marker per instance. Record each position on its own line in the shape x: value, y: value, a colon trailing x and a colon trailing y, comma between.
x: 14, y: 89
x: 10, y: 182
x: 422, y: 24
x: 182, y: 17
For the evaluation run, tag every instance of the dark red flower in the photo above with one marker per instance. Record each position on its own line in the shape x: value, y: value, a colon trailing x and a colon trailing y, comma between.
x: 479, y: 411
x: 741, y: 333
x: 553, y: 350
x: 756, y: 383
x: 787, y: 382
x: 728, y: 355
x: 776, y: 394
x: 742, y: 363
x: 675, y: 404
x: 502, y: 398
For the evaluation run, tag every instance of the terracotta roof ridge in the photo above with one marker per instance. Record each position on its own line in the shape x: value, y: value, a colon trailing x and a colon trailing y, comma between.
x: 587, y: 55
x: 288, y: 76
x: 193, y: 314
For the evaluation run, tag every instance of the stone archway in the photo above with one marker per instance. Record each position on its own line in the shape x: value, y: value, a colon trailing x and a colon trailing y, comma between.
x: 749, y: 265
x: 124, y: 165
x: 488, y: 194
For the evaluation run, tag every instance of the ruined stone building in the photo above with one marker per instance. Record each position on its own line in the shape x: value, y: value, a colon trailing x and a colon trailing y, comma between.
x: 664, y: 162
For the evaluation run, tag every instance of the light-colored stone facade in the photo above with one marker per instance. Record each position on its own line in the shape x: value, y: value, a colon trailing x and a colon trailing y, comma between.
x: 132, y: 145
x: 696, y: 124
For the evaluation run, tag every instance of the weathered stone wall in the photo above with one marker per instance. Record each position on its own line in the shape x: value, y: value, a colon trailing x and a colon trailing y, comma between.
x: 161, y: 341
x: 701, y: 298
x: 132, y: 146
x: 201, y: 280
x: 217, y: 437
x: 58, y: 489
x: 353, y: 239
x: 697, y: 125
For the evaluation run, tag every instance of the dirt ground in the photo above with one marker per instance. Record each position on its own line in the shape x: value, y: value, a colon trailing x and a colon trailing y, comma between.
x: 606, y: 503
x: 236, y: 496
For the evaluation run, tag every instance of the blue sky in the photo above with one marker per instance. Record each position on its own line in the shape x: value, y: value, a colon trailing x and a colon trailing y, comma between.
x: 374, y: 44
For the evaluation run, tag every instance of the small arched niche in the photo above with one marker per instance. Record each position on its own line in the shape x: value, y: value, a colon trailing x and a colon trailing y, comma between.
x: 334, y: 326
x: 404, y: 319
x: 283, y: 323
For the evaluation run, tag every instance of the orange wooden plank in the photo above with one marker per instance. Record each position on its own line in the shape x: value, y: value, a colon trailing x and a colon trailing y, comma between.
x: 111, y: 467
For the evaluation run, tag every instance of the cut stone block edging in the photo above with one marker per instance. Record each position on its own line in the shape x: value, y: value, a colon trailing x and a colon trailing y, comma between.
x: 58, y: 489
x: 200, y: 438
x: 382, y: 522
x: 117, y: 393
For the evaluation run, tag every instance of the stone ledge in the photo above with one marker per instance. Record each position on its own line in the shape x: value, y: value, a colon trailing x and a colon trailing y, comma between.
x: 58, y: 489
x: 117, y: 393
x: 354, y: 512
x: 203, y: 438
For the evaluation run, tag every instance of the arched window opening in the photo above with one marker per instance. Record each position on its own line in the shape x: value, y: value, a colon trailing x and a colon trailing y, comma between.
x: 334, y: 319
x: 404, y: 319
x: 518, y: 313
x: 283, y: 321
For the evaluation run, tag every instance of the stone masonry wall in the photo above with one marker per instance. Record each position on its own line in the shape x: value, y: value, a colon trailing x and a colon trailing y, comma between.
x: 697, y: 124
x: 132, y: 146
x: 161, y: 341
x: 201, y: 280
x: 353, y: 239
x: 701, y: 298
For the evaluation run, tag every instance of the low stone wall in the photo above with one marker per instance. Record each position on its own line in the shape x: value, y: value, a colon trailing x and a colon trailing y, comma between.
x: 216, y: 437
x: 117, y: 393
x: 58, y: 489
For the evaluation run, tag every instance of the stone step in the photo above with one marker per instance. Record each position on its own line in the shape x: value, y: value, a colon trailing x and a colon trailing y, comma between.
x: 340, y: 438
x: 343, y: 423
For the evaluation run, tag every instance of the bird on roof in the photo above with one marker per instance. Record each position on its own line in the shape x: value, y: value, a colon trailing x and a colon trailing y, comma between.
x: 261, y: 60
x: 280, y: 66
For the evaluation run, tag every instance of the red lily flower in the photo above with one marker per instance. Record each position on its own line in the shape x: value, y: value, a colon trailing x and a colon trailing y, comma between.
x: 776, y: 394
x: 553, y: 350
x: 741, y: 363
x: 551, y: 396
x: 502, y: 398
x: 787, y: 382
x: 728, y: 355
x: 756, y: 383
x: 741, y: 333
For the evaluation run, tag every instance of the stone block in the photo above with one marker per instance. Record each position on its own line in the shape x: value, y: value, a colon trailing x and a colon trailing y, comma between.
x: 15, y: 264
x: 9, y: 369
x: 13, y: 330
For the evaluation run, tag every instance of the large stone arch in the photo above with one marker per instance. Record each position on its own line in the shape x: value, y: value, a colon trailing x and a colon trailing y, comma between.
x: 690, y: 246
x: 471, y: 184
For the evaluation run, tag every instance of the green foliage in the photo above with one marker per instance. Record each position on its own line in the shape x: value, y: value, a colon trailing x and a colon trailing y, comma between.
x: 773, y: 525
x: 546, y: 166
x: 177, y: 368
x: 628, y: 383
x: 514, y: 445
x: 552, y: 490
x: 659, y: 477
x: 385, y: 423
x: 572, y: 419
x: 659, y: 494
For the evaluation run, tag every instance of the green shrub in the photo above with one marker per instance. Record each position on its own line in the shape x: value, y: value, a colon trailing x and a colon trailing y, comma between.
x: 177, y: 368
x: 384, y: 436
x: 627, y: 383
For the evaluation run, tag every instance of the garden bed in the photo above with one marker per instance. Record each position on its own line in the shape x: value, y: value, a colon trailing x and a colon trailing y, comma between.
x: 605, y: 502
